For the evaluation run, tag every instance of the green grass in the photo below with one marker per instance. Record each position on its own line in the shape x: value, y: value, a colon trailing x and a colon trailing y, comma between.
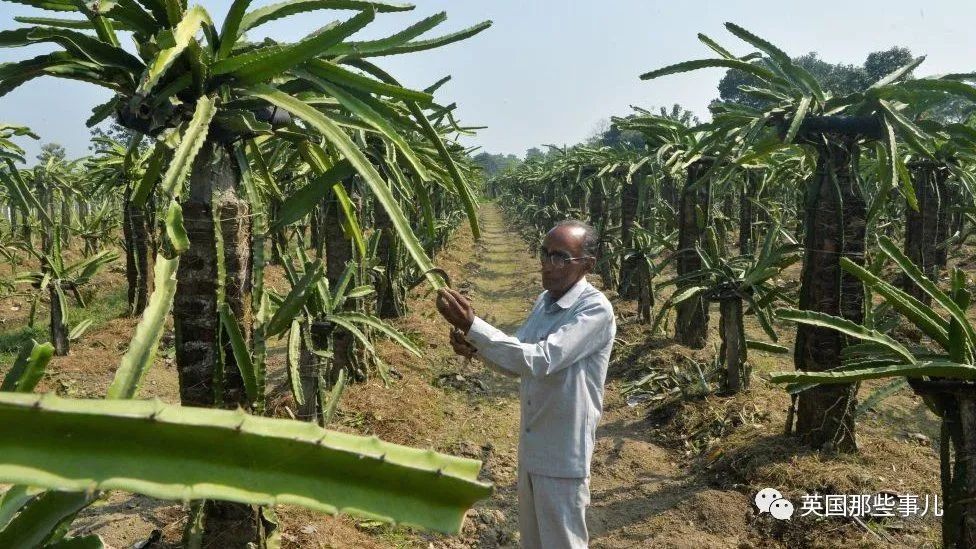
x: 398, y: 536
x: 12, y: 340
x: 101, y: 308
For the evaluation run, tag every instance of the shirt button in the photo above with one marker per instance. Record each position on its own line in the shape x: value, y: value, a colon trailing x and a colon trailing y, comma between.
x: 528, y: 403
x: 527, y: 430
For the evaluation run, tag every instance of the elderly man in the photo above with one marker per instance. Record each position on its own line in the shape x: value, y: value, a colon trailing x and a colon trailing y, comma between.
x: 561, y: 354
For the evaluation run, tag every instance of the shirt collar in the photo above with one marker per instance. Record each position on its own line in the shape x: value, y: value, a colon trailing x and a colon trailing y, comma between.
x: 571, y: 295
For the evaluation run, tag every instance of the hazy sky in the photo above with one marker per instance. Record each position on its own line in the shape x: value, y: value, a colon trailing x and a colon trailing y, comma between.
x: 550, y: 71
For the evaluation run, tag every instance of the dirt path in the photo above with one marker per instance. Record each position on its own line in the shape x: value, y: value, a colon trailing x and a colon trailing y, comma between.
x: 632, y: 478
x: 644, y: 494
x: 640, y: 494
x: 681, y: 479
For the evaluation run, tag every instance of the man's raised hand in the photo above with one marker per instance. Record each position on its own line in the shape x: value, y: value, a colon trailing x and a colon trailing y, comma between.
x: 455, y: 308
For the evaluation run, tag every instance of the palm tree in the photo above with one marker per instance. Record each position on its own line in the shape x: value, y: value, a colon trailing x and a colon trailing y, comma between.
x: 207, y: 94
x: 18, y: 197
x: 121, y: 166
x: 833, y: 130
x: 733, y: 282
x: 686, y: 153
x: 943, y: 377
x: 927, y: 209
x: 55, y: 278
x: 209, y: 91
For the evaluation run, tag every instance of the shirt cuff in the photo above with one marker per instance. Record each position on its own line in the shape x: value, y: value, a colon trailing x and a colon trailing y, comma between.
x: 480, y: 332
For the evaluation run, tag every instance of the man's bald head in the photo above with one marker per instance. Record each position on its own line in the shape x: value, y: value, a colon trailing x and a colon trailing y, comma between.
x: 575, y: 243
x: 588, y: 241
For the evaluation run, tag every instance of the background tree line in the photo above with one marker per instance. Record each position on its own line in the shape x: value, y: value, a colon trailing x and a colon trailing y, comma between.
x: 838, y: 78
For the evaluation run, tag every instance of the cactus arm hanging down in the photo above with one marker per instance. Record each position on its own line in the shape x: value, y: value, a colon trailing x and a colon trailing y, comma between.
x: 170, y: 452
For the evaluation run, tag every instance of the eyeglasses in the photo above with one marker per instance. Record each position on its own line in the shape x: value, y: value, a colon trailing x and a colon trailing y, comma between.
x: 558, y: 259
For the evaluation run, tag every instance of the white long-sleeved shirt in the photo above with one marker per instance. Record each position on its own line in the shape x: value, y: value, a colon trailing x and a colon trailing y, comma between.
x: 561, y: 354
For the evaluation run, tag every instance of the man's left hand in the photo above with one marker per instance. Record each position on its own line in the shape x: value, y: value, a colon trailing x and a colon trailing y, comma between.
x: 455, y: 308
x: 461, y: 346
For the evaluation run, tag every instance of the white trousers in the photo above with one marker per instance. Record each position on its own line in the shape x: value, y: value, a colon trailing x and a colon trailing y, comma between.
x: 552, y: 511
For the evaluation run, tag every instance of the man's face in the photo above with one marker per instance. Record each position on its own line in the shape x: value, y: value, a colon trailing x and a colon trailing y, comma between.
x: 566, y: 242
